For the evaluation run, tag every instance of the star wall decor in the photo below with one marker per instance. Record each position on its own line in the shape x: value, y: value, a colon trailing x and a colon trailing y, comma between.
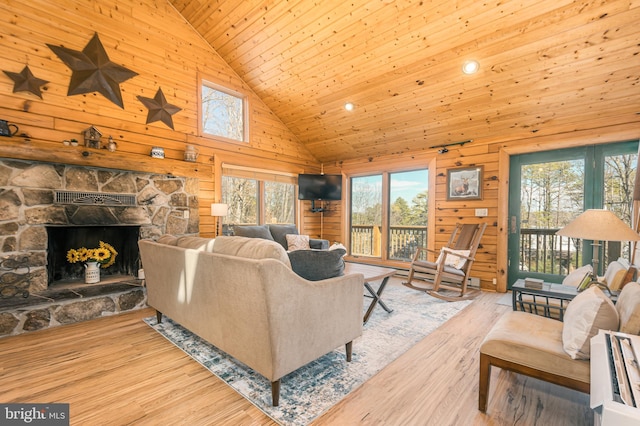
x: 25, y: 81
x: 93, y: 71
x: 159, y: 109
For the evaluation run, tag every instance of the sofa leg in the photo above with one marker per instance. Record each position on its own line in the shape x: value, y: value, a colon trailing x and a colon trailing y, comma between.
x: 275, y: 393
x: 483, y: 388
x: 158, y: 316
x: 349, y: 349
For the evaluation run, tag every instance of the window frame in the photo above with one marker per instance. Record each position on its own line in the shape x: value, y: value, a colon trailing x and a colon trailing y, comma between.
x: 261, y: 176
x: 212, y: 84
x: 384, y: 259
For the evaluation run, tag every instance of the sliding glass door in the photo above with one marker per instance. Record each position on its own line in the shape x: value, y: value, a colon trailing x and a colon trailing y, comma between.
x: 389, y: 214
x: 548, y: 190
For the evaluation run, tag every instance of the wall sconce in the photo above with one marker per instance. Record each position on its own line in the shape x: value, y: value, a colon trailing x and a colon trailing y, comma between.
x: 219, y: 210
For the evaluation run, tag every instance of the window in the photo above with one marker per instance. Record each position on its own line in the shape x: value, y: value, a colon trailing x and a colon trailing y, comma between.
x: 396, y: 222
x: 257, y: 196
x: 224, y: 112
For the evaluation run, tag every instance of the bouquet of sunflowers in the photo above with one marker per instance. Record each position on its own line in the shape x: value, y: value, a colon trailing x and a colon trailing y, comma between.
x: 105, y: 254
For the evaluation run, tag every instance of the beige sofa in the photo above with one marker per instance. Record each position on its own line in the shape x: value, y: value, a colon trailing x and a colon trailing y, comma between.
x: 241, y: 295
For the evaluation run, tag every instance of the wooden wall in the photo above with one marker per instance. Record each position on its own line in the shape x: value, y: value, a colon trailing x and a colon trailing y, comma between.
x: 152, y: 39
x: 494, y: 156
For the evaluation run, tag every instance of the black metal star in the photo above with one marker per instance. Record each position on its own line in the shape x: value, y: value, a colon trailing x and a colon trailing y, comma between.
x: 25, y: 81
x: 93, y: 71
x: 159, y: 109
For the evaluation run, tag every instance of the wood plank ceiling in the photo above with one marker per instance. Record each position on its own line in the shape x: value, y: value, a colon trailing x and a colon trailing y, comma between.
x: 546, y: 67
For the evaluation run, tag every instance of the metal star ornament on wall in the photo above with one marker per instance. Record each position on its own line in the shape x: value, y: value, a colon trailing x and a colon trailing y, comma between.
x: 93, y: 71
x: 159, y: 109
x: 25, y: 81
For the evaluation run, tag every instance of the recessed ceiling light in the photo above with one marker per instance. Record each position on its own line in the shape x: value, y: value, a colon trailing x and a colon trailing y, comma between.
x: 349, y: 106
x: 470, y: 67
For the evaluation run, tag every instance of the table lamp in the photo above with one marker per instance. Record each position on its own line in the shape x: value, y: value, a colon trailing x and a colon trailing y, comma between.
x: 219, y: 210
x: 598, y: 225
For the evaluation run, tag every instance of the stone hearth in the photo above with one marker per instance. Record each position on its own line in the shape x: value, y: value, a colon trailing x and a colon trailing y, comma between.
x: 29, y: 204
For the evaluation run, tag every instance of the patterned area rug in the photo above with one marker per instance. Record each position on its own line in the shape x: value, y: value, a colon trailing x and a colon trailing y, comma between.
x: 313, y: 389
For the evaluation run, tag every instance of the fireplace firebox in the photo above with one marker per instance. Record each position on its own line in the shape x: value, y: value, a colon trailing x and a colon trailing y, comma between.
x: 123, y: 238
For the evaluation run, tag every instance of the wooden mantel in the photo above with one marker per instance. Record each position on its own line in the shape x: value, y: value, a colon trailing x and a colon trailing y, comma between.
x: 45, y: 151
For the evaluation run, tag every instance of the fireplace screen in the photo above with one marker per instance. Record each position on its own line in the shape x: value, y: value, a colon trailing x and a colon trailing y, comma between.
x: 124, y: 240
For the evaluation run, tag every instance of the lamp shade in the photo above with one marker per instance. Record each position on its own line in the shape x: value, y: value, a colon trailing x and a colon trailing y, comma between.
x: 219, y: 209
x: 599, y: 225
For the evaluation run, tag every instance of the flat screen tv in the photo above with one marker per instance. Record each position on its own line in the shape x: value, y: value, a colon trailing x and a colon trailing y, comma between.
x: 319, y: 187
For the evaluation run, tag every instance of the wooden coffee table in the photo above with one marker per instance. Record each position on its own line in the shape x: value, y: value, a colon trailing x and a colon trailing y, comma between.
x: 371, y: 273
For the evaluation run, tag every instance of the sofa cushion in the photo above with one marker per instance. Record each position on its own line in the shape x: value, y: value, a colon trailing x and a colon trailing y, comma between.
x: 251, y: 248
x: 589, y: 312
x: 196, y: 243
x: 280, y: 232
x: 297, y: 242
x: 167, y: 239
x: 575, y: 277
x: 628, y: 307
x: 533, y: 341
x: 316, y: 265
x: 252, y: 231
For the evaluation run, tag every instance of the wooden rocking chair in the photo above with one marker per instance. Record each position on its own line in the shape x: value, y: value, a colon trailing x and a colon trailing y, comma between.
x: 451, y: 270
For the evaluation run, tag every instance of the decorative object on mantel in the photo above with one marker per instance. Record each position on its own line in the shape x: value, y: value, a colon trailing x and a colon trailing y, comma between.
x: 93, y: 71
x: 92, y: 137
x: 157, y: 152
x: 112, y: 146
x: 159, y: 109
x: 104, y: 255
x: 5, y: 128
x: 25, y: 81
x: 191, y: 153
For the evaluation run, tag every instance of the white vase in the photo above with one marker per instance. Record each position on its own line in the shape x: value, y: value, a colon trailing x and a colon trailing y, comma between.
x: 91, y: 272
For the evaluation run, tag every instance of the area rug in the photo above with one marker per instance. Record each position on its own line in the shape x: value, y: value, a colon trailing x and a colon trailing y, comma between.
x: 311, y: 390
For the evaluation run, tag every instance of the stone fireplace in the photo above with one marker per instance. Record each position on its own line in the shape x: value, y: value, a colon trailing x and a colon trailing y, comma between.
x: 45, y: 209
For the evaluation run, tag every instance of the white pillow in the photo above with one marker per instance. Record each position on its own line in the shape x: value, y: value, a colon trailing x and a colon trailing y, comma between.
x: 576, y: 277
x: 589, y: 312
x: 297, y: 242
x: 453, y: 260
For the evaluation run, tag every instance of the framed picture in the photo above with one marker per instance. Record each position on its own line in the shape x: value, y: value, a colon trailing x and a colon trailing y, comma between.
x: 464, y: 183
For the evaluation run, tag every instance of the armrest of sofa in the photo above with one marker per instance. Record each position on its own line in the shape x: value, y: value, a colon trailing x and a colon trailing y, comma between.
x: 318, y: 244
x: 308, y: 319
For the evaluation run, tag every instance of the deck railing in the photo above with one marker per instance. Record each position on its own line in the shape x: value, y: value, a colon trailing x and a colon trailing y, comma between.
x: 541, y: 250
x: 403, y: 241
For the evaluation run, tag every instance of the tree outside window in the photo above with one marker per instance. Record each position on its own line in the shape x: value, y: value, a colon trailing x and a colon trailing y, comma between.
x: 223, y: 112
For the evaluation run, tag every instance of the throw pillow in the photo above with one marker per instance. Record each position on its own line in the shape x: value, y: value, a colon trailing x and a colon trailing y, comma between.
x: 628, y: 307
x: 316, y: 265
x: 453, y: 260
x: 589, y: 312
x: 280, y: 232
x: 251, y: 231
x: 575, y: 278
x: 297, y: 242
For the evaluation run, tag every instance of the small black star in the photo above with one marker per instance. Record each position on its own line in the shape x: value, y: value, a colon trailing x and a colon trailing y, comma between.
x: 159, y: 109
x: 25, y: 81
x: 93, y: 71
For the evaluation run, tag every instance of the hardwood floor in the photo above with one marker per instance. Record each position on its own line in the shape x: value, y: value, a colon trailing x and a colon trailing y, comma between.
x: 117, y: 370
